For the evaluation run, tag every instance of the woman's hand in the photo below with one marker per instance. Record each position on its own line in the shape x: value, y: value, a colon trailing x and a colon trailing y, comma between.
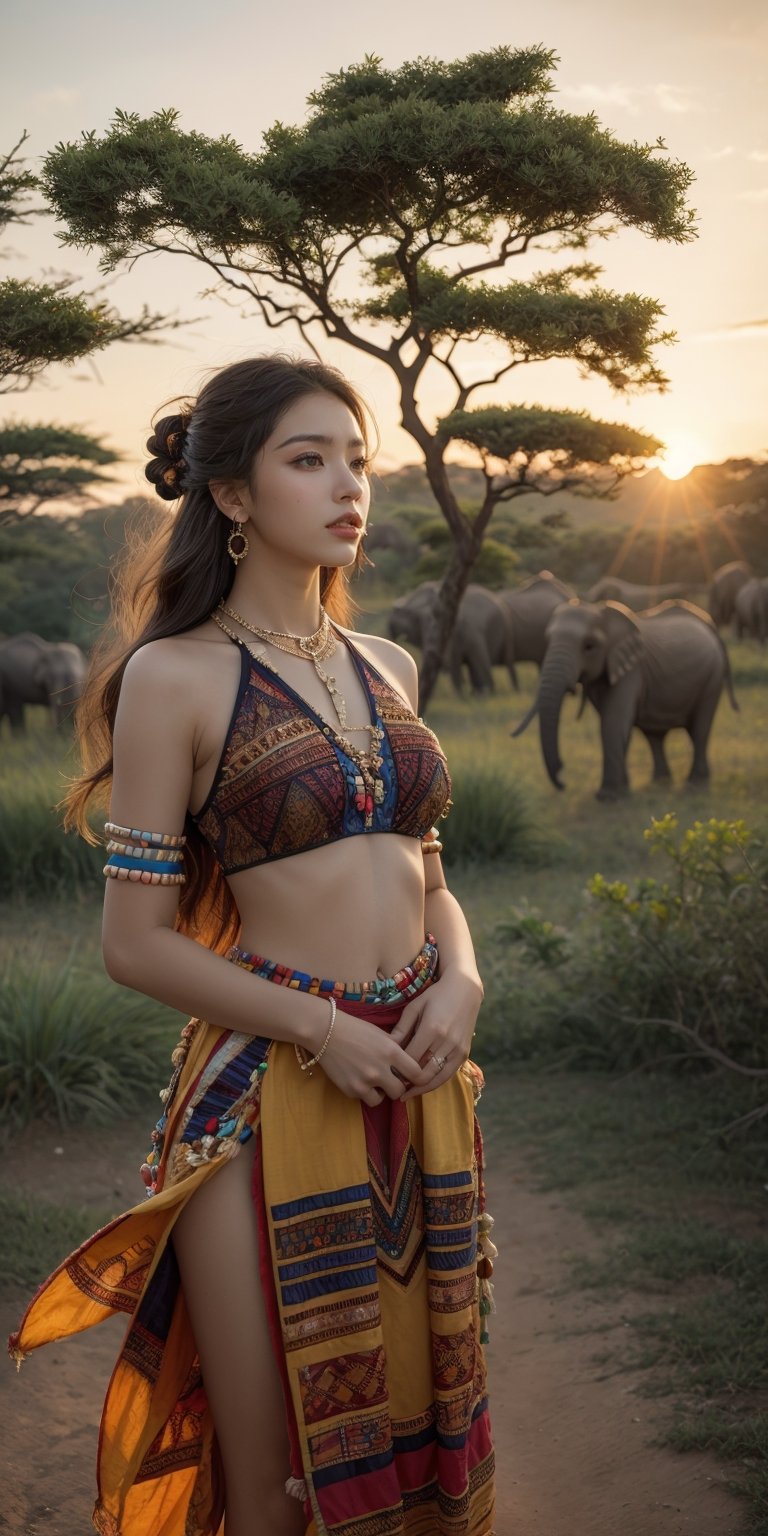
x: 365, y: 1062
x: 436, y: 1029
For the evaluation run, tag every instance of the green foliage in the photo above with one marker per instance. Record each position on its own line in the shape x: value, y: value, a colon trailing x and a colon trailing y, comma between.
x: 40, y: 324
x: 669, y: 970
x: 41, y: 463
x: 75, y: 1047
x: 16, y: 183
x: 44, y: 323
x: 569, y: 438
x: 54, y: 572
x: 495, y: 566
x: 491, y: 819
x: 607, y: 334
x: 365, y: 165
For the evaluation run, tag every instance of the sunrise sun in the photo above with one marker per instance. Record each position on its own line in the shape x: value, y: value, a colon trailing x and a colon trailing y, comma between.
x: 682, y: 452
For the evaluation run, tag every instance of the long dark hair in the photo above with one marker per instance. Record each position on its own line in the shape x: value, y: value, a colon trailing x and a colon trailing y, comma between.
x: 173, y: 573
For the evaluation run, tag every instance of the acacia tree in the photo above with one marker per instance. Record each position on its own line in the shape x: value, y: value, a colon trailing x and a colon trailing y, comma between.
x: 43, y: 323
x: 388, y: 221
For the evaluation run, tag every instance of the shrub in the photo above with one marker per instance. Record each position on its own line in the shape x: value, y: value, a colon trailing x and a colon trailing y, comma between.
x: 669, y: 972
x: 492, y: 819
x: 76, y: 1047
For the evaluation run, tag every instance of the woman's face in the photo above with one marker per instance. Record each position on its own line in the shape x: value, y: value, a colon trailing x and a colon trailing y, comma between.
x: 310, y: 494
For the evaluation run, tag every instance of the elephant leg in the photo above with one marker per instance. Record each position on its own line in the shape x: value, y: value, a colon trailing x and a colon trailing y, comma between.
x: 655, y: 740
x: 698, y: 728
x: 15, y: 712
x: 513, y: 678
x: 479, y: 663
x: 617, y: 716
x: 456, y: 669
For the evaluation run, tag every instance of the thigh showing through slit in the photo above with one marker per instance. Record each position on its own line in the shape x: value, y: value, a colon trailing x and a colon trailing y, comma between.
x: 216, y: 1243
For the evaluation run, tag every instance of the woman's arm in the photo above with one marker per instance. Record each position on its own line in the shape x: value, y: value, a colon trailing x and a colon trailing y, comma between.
x: 438, y: 1025
x: 154, y: 746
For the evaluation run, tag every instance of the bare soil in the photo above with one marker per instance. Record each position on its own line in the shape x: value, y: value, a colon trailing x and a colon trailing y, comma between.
x: 573, y: 1437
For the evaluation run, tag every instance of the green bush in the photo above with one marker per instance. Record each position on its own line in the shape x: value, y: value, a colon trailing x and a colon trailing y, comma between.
x: 492, y: 819
x: 671, y: 972
x: 75, y: 1047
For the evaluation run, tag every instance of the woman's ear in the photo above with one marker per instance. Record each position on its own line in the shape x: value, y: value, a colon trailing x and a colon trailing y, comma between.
x: 231, y: 499
x: 625, y: 642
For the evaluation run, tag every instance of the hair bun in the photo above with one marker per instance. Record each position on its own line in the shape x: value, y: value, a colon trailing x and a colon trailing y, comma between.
x: 165, y: 470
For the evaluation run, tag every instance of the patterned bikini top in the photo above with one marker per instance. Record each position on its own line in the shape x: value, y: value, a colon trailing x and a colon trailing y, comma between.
x: 285, y: 782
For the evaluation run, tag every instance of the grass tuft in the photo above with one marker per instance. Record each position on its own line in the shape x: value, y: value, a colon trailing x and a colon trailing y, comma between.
x: 75, y: 1047
x: 492, y: 819
x: 37, y: 1235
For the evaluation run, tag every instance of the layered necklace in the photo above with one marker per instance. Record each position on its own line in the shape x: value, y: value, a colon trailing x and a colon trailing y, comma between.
x: 365, y: 784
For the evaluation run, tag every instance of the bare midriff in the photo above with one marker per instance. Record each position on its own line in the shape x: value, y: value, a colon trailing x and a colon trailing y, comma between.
x: 351, y: 911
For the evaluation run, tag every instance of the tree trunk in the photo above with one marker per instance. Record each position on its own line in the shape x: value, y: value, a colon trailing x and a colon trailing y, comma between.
x: 467, y: 544
x: 440, y: 627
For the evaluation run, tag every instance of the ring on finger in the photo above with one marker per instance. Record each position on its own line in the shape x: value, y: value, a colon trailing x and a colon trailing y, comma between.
x: 439, y: 1061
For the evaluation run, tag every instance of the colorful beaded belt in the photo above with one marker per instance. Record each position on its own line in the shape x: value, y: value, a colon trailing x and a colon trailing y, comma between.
x: 383, y: 989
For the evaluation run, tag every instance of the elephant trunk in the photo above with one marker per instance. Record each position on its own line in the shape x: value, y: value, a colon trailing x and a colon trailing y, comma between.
x: 559, y: 675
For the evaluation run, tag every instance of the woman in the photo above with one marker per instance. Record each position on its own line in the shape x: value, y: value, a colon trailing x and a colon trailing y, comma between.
x: 303, y: 1285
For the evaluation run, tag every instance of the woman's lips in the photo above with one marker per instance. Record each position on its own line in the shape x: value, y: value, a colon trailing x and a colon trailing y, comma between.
x: 345, y: 530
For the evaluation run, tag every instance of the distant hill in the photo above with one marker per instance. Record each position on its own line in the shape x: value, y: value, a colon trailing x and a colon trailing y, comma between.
x: 649, y: 498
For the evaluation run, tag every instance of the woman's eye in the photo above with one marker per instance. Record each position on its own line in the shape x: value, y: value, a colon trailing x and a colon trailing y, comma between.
x: 313, y: 460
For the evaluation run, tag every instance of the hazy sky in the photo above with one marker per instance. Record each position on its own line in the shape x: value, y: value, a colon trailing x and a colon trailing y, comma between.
x: 692, y: 71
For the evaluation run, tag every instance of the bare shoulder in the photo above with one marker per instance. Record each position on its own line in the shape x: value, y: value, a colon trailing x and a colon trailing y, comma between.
x: 394, y: 663
x: 177, y: 659
x: 168, y: 678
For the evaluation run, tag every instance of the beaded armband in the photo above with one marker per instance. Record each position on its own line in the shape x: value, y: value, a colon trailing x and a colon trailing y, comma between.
x: 430, y: 843
x: 153, y: 858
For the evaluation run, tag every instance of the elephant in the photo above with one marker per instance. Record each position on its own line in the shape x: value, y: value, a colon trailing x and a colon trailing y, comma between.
x: 481, y: 639
x: 751, y: 610
x: 726, y: 583
x: 37, y: 671
x: 631, y: 593
x: 530, y: 607
x: 657, y: 671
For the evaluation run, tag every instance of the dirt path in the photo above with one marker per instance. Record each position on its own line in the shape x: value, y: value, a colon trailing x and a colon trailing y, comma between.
x: 573, y: 1440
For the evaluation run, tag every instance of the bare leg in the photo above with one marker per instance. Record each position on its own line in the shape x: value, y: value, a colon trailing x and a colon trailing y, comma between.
x: 216, y: 1245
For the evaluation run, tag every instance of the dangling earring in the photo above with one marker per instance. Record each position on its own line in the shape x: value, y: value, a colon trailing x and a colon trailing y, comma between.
x: 237, y: 543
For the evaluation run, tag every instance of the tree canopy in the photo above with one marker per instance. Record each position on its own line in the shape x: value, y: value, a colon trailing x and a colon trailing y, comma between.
x: 44, y: 323
x: 388, y: 220
x: 43, y: 463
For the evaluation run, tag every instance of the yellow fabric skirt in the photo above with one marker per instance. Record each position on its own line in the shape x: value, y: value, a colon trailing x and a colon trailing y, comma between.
x: 370, y: 1272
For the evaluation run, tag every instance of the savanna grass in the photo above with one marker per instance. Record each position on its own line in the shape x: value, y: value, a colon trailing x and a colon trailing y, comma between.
x: 37, y: 859
x: 37, y: 1233
x: 492, y: 819
x: 73, y: 1047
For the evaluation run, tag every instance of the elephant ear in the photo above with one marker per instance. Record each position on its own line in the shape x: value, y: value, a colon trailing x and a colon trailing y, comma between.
x: 40, y: 669
x: 625, y: 642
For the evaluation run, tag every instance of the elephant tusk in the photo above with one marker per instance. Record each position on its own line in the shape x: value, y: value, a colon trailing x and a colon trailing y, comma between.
x: 525, y: 722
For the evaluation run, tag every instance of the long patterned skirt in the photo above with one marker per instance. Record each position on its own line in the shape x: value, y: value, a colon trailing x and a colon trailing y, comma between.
x: 368, y: 1224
